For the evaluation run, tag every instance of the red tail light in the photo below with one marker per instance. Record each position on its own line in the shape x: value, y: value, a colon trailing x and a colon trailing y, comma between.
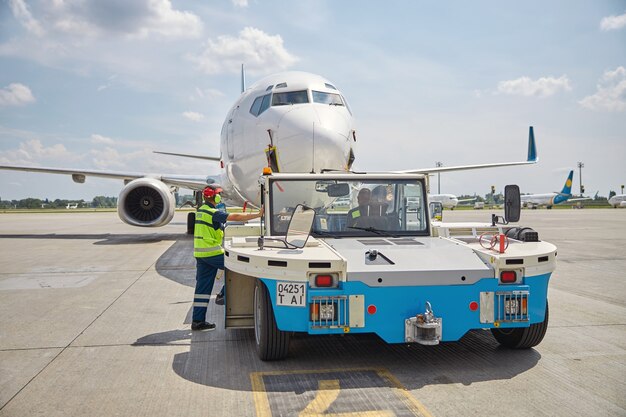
x: 507, y: 277
x: 323, y: 280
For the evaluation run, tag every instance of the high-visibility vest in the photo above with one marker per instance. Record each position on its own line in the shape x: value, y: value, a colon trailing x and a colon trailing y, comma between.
x: 207, y: 240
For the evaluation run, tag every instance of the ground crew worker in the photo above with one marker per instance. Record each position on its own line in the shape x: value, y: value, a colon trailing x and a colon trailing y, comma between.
x: 209, y: 253
x: 363, y: 198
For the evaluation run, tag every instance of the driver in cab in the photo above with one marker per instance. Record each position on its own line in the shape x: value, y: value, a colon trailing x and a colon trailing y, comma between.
x: 363, y: 199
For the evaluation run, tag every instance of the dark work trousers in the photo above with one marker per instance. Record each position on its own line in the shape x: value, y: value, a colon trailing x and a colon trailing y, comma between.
x: 206, y: 270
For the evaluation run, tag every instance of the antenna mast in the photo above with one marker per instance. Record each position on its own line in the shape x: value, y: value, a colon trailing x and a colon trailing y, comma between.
x: 243, y: 79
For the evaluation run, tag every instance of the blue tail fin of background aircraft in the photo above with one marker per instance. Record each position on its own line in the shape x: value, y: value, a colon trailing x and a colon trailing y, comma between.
x: 532, y: 149
x: 567, y: 188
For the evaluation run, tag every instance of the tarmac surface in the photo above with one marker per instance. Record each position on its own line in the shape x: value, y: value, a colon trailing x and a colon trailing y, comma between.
x: 95, y: 314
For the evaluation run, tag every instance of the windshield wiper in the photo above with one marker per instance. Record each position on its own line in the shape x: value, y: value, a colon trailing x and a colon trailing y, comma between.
x: 374, y: 230
x: 324, y: 233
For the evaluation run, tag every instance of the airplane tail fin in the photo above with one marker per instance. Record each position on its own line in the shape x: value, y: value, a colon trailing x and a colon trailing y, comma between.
x: 567, y: 188
x: 532, y: 148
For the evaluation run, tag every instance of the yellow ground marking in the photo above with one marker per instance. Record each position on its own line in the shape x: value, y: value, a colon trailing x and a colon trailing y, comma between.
x: 328, y: 392
x: 261, y: 403
x: 396, y: 382
x: 326, y: 395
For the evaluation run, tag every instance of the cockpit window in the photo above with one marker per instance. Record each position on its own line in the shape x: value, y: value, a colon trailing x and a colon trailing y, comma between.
x: 260, y: 104
x: 347, y: 105
x: 265, y: 103
x: 332, y: 87
x: 327, y: 98
x: 256, y: 106
x: 290, y: 97
x: 269, y: 88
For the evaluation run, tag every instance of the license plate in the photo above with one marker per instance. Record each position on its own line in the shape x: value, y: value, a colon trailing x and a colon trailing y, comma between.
x: 291, y: 294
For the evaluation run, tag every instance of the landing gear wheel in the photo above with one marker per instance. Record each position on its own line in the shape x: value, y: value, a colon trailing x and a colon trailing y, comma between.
x: 271, y: 343
x: 522, y: 338
x: 191, y: 222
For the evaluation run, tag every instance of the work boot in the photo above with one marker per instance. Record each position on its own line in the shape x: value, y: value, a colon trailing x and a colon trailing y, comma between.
x: 219, y: 299
x: 202, y: 326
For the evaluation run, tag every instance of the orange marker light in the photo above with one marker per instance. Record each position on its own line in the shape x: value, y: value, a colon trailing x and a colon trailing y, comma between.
x: 315, y: 312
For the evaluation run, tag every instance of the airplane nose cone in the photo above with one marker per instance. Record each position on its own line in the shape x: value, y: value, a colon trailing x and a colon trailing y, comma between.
x: 313, y: 138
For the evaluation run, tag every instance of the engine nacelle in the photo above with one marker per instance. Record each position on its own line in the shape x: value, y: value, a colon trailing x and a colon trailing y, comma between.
x: 146, y: 202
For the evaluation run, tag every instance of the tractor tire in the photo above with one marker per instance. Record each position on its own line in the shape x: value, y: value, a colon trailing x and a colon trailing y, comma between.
x: 191, y: 222
x: 522, y: 338
x: 271, y: 343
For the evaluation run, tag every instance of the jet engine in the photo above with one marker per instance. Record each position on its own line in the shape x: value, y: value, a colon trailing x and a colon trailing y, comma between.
x: 146, y: 202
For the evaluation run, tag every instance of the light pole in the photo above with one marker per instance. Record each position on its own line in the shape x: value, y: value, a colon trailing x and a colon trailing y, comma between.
x: 622, y: 188
x: 580, y: 178
x: 438, y: 165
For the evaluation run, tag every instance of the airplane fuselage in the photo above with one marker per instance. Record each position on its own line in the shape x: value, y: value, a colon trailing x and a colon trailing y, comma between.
x: 547, y: 199
x: 551, y: 199
x: 448, y: 201
x: 302, y: 116
x: 618, y: 200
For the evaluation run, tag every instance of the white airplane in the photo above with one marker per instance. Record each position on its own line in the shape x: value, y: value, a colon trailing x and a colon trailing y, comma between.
x: 291, y: 121
x: 71, y: 205
x: 618, y: 200
x: 550, y: 199
x: 448, y: 201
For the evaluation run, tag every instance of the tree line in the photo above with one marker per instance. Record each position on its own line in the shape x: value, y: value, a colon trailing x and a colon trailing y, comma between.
x: 97, y: 202
x: 36, y: 203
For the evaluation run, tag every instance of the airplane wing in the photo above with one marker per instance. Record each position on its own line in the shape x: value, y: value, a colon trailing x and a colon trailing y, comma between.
x: 186, y: 155
x: 193, y: 182
x: 531, y: 159
x: 467, y: 200
x: 579, y: 199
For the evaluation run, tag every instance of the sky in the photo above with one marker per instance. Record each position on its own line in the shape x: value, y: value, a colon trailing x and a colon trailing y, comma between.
x: 101, y: 84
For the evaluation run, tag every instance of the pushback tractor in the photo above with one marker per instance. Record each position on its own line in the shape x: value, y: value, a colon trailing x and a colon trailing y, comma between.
x: 343, y: 253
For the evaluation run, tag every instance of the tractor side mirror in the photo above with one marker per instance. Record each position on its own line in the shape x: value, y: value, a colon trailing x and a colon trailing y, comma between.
x: 299, y: 227
x: 512, y: 203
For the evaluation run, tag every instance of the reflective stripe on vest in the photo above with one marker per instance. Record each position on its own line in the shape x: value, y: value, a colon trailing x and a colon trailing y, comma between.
x: 355, y: 214
x: 208, y: 240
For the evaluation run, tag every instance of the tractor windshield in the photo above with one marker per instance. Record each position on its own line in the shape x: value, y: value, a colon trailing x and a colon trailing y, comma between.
x: 386, y: 207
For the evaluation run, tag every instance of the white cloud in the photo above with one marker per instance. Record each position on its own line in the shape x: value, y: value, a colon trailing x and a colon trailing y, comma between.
x: 240, y: 3
x: 34, y: 152
x: 260, y: 52
x: 542, y: 87
x: 109, y: 158
x: 22, y: 14
x: 97, y: 18
x: 611, y: 94
x: 613, y: 22
x: 101, y: 140
x: 108, y: 84
x: 207, y: 93
x: 193, y: 116
x: 16, y: 94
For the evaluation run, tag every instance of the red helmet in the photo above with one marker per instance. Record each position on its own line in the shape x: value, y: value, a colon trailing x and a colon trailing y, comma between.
x: 211, y: 191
